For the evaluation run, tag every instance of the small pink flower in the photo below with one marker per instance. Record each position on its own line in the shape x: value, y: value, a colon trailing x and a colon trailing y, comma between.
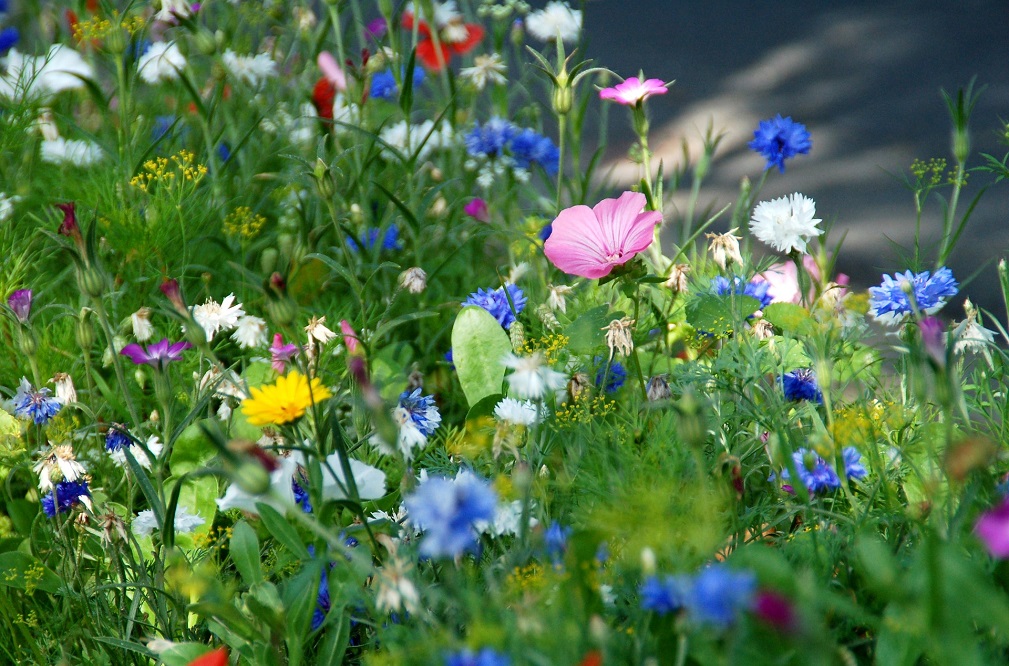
x: 331, y: 70
x: 993, y: 530
x: 634, y: 91
x: 590, y: 242
x: 350, y: 339
x: 281, y: 353
x: 477, y: 209
x: 784, y: 280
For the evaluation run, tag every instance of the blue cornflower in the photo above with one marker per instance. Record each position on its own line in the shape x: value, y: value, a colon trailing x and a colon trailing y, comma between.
x: 390, y: 239
x: 663, y: 595
x: 853, y: 467
x: 39, y: 406
x: 421, y: 410
x: 64, y: 495
x: 322, y: 602
x: 555, y: 539
x: 223, y: 151
x: 718, y: 593
x: 117, y: 438
x: 615, y: 378
x: 383, y: 84
x: 889, y: 301
x: 8, y: 38
x: 529, y: 147
x: 801, y: 385
x: 496, y: 303
x: 485, y: 657
x: 755, y: 289
x: 814, y: 472
x: 301, y: 497
x: 447, y: 509
x: 779, y: 139
x: 490, y: 139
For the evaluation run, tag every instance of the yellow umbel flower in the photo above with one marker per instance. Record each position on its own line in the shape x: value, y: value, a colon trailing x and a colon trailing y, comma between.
x: 283, y: 401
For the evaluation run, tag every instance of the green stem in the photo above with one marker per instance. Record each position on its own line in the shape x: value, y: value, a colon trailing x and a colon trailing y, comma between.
x: 562, y: 127
x: 99, y: 309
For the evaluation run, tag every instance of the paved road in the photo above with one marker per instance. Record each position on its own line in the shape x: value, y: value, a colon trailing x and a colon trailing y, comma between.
x: 864, y: 76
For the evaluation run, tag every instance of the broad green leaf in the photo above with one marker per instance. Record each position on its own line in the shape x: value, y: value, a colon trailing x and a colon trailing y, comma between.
x: 792, y: 319
x: 479, y: 344
x: 714, y: 315
x: 192, y: 450
x: 245, y: 552
x: 282, y: 530
x: 585, y: 334
x: 301, y: 593
x: 24, y: 571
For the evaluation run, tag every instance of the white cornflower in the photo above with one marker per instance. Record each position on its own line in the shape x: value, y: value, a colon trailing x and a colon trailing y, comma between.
x: 517, y: 412
x: 787, y: 223
x: 507, y: 520
x: 555, y: 21
x: 62, y: 68
x: 141, y: 321
x: 724, y: 248
x: 250, y: 332
x: 65, y: 391
x: 971, y: 335
x: 7, y: 206
x: 71, y: 151
x: 252, y: 70
x: 153, y: 444
x: 395, y: 592
x: 144, y: 523
x: 556, y: 300
x: 486, y: 69
x: 161, y: 62
x: 59, y: 459
x: 532, y: 378
x: 170, y: 9
x: 213, y: 317
x: 419, y: 139
x: 317, y: 331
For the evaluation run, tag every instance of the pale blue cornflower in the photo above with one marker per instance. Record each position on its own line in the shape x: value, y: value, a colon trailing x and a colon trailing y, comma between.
x: 718, y: 594
x: 447, y: 511
x: 37, y: 405
x: 891, y: 302
x: 663, y: 595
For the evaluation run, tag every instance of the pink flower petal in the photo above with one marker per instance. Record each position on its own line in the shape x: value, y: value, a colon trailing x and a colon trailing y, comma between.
x: 993, y: 529
x: 331, y: 70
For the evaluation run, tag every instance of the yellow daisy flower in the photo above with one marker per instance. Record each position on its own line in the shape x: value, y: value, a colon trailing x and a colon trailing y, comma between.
x: 284, y: 401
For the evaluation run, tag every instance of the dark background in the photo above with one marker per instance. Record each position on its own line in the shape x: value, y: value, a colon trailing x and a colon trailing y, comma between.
x: 863, y: 76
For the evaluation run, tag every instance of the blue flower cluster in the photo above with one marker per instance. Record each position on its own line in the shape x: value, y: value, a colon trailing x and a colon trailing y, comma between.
x: 390, y: 239
x: 755, y: 289
x: 555, y: 541
x: 301, y: 497
x: 422, y: 410
x: 714, y: 596
x: 496, y: 302
x: 39, y: 406
x: 383, y: 84
x: 817, y: 475
x: 526, y: 146
x: 890, y: 303
x: 779, y: 139
x: 447, y: 511
x: 63, y: 496
x: 801, y: 385
x: 614, y: 379
x: 485, y: 657
x: 117, y: 438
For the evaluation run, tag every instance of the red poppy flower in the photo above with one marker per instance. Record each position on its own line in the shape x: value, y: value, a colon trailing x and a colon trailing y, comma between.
x: 218, y: 657
x: 323, y: 96
x: 454, y: 38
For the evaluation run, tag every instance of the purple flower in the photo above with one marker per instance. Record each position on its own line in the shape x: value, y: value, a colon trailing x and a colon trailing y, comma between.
x: 477, y: 209
x: 376, y: 28
x: 993, y: 530
x: 157, y: 355
x: 63, y: 496
x: 21, y: 303
x: 779, y: 139
x: 281, y: 353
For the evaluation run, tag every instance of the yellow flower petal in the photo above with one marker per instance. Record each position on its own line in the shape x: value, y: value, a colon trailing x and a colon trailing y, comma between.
x: 284, y: 401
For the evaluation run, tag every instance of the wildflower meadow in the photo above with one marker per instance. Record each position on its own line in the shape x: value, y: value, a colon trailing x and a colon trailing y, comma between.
x: 329, y: 341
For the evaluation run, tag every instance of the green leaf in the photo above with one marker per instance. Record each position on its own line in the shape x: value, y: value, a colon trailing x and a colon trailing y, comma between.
x: 192, y: 450
x: 181, y: 654
x: 790, y: 318
x: 245, y: 552
x: 300, y: 595
x: 485, y: 407
x: 22, y: 513
x: 585, y: 334
x: 713, y: 314
x: 282, y: 530
x: 479, y: 344
x: 17, y: 570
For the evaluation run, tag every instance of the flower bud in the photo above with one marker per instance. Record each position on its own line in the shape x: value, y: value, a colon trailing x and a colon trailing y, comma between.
x: 658, y: 388
x: 85, y: 331
x: 517, y: 335
x: 693, y: 426
x: 961, y: 144
x: 252, y: 478
x: 324, y: 180
x: 27, y: 342
x: 205, y: 42
x: 91, y: 281
x: 413, y: 280
x: 563, y: 99
x: 268, y: 260
x: 115, y: 40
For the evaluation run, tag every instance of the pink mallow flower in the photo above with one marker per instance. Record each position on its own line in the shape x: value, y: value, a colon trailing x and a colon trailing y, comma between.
x: 281, y: 353
x: 591, y: 242
x: 634, y: 91
x: 784, y: 280
x: 993, y: 530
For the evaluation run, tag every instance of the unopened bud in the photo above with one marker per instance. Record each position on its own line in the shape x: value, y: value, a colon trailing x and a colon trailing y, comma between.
x: 205, y: 42
x: 961, y: 144
x: 91, y: 281
x: 413, y: 280
x: 252, y: 477
x: 658, y: 388
x: 85, y: 331
x: 517, y: 334
x: 563, y: 99
x: 324, y: 179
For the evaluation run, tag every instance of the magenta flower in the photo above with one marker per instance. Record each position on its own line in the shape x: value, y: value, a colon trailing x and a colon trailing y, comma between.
x: 282, y: 353
x: 591, y: 242
x: 21, y: 303
x: 634, y: 91
x: 477, y: 209
x: 157, y: 355
x: 993, y: 530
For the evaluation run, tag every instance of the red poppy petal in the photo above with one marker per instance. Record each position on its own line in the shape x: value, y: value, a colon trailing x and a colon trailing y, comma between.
x: 422, y: 26
x: 434, y: 59
x: 474, y: 33
x: 322, y: 97
x: 218, y: 657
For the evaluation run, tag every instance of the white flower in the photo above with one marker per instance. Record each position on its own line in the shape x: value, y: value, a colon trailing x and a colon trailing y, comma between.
x: 250, y: 332
x: 972, y: 336
x: 59, y: 458
x: 555, y: 21
x: 65, y: 391
x: 444, y: 12
x: 172, y: 8
x: 252, y: 70
x: 153, y: 445
x: 213, y: 317
x: 410, y: 436
x: 414, y: 280
x: 7, y: 206
x: 507, y: 520
x: 141, y: 321
x: 280, y: 495
x: 370, y: 481
x: 71, y: 151
x: 144, y: 523
x: 518, y: 412
x: 532, y: 378
x: 787, y: 223
x: 416, y: 139
x: 317, y: 332
x: 724, y: 248
x: 618, y: 336
x: 556, y: 300
x: 60, y: 69
x: 161, y: 62
x: 486, y: 69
